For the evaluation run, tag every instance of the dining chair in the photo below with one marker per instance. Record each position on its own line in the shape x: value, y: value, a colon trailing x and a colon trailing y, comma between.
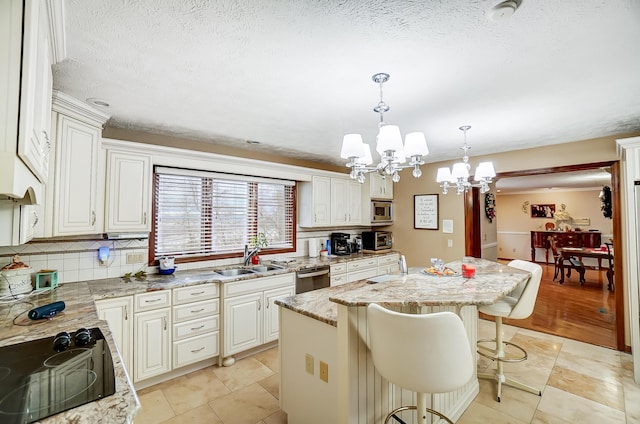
x: 610, y: 269
x: 569, y: 263
x: 518, y: 304
x: 424, y: 353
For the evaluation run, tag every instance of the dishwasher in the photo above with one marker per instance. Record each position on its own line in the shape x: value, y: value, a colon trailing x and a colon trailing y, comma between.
x: 313, y: 278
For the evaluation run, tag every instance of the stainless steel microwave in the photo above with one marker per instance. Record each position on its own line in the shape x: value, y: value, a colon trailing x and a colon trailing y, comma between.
x: 381, y: 211
x: 376, y: 240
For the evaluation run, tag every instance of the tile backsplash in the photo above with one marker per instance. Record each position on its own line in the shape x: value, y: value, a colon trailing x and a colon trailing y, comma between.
x: 78, y: 260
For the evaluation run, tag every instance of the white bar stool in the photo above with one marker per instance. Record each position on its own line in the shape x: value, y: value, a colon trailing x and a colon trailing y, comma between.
x: 425, y: 353
x: 516, y: 305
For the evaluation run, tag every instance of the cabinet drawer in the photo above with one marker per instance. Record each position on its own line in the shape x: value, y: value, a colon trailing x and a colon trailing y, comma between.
x: 152, y: 300
x: 195, y: 293
x: 336, y: 280
x: 195, y: 327
x: 258, y: 284
x: 361, y: 264
x: 362, y: 274
x: 195, y: 310
x: 195, y: 349
x: 338, y: 268
x: 388, y: 259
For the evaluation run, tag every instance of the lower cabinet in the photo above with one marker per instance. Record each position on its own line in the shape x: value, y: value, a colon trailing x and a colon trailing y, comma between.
x: 152, y: 353
x: 389, y: 264
x: 361, y: 269
x: 250, y: 316
x: 118, y: 313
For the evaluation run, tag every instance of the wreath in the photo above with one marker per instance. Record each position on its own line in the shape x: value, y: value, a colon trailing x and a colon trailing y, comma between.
x: 490, y: 206
x: 605, y: 197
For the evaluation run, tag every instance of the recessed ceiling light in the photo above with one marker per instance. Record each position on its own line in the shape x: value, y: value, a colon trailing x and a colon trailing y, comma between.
x: 97, y: 102
x: 504, y: 10
x: 252, y: 142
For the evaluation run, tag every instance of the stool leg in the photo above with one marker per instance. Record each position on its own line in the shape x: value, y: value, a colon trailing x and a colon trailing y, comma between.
x: 422, y: 408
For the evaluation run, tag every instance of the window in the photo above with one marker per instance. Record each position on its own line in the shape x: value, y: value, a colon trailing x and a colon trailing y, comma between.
x: 200, y: 214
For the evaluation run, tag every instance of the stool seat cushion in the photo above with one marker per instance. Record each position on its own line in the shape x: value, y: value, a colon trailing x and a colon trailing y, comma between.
x: 501, y: 308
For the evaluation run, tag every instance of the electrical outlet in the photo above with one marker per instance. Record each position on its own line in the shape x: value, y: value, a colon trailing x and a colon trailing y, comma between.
x: 308, y: 363
x: 135, y: 258
x: 324, y: 371
x: 449, y: 243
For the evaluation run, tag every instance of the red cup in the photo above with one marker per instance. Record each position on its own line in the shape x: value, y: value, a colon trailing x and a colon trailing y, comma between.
x: 468, y: 267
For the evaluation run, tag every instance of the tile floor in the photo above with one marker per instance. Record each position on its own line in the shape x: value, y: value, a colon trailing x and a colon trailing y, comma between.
x: 580, y: 383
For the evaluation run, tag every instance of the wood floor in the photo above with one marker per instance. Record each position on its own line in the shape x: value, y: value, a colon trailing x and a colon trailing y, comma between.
x: 585, y: 313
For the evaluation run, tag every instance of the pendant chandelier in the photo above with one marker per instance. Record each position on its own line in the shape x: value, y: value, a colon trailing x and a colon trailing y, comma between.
x: 393, y: 154
x: 458, y: 176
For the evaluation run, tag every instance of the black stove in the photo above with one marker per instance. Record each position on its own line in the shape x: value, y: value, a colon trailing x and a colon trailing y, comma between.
x: 44, y: 377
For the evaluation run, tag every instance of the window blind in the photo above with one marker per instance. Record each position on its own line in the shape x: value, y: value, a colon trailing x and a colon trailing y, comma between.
x: 206, y: 214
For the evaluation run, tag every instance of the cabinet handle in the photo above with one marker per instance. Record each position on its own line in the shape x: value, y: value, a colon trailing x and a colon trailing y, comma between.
x: 197, y: 350
x: 197, y: 310
x: 144, y: 218
x: 152, y: 300
x: 35, y: 219
x: 126, y: 313
x: 93, y: 217
x: 259, y: 304
x: 164, y: 319
x: 197, y: 328
x: 197, y: 293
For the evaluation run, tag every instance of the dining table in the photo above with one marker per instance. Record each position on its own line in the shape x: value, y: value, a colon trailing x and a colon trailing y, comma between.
x: 582, y: 252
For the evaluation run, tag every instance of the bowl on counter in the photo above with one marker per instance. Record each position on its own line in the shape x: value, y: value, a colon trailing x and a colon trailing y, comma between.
x: 166, y: 271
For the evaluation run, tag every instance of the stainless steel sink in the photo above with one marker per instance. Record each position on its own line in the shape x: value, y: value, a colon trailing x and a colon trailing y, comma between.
x: 234, y: 272
x: 266, y: 268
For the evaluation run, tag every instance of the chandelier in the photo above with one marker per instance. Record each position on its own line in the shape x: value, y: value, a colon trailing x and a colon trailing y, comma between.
x: 458, y: 176
x: 393, y: 154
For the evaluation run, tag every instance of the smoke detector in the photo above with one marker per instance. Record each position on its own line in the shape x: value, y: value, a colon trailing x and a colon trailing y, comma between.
x: 504, y: 10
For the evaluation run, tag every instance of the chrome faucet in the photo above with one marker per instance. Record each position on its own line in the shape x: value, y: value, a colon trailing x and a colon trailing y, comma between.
x: 248, y: 255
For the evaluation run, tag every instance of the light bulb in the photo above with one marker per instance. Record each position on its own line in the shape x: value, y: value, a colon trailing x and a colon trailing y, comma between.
x: 417, y: 173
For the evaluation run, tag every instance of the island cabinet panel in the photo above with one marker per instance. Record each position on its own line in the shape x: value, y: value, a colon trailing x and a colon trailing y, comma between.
x: 363, y: 392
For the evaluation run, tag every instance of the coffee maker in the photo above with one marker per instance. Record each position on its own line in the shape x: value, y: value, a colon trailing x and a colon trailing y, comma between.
x: 340, y: 244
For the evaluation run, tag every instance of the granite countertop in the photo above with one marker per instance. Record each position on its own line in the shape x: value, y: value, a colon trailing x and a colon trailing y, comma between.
x: 80, y: 311
x: 492, y: 281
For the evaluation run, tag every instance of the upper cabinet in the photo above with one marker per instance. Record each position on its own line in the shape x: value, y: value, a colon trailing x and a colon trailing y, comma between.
x: 27, y: 51
x: 127, y: 200
x: 326, y: 201
x: 35, y: 92
x: 379, y: 187
x: 74, y: 200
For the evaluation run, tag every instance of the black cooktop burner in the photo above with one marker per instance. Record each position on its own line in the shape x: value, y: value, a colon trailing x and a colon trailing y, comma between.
x: 38, y: 380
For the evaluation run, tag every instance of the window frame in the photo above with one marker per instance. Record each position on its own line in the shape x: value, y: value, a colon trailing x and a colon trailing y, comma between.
x: 181, y: 259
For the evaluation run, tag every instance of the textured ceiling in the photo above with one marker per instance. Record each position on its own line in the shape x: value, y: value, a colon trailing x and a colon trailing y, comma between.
x: 296, y: 75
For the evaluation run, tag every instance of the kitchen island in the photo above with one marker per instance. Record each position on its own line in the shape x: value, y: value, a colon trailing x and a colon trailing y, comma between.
x: 327, y: 373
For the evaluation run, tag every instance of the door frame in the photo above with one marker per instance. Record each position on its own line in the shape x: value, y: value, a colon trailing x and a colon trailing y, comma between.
x: 474, y: 243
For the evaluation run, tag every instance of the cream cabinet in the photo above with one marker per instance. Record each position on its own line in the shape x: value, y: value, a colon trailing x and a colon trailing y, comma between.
x: 76, y: 197
x: 389, y: 264
x: 339, y: 202
x: 249, y: 315
x: 195, y: 324
x: 36, y: 88
x: 128, y: 192
x: 152, y: 323
x: 118, y: 312
x: 338, y: 274
x: 326, y: 201
x: 379, y: 187
x: 314, y: 202
x: 362, y: 269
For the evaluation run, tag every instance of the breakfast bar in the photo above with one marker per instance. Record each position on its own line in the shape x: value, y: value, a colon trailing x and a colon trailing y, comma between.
x: 327, y: 373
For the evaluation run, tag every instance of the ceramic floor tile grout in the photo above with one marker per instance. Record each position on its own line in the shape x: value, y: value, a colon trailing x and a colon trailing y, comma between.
x: 534, y: 418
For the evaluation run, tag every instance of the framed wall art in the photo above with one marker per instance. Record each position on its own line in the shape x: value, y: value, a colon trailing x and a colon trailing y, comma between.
x: 425, y: 215
x: 543, y: 210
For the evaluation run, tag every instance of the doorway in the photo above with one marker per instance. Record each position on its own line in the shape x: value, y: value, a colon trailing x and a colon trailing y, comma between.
x: 473, y: 207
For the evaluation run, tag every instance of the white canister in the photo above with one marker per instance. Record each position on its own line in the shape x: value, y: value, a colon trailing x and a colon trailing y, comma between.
x: 167, y: 263
x: 313, y: 248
